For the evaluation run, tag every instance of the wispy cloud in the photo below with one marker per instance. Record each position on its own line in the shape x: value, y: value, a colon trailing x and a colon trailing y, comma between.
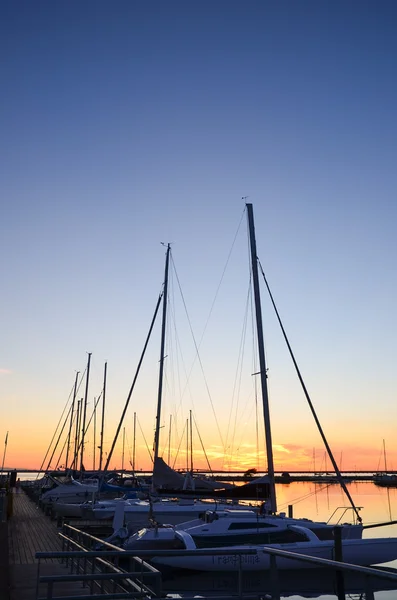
x: 5, y: 372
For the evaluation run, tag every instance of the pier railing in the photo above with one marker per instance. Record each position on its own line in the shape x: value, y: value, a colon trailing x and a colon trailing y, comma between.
x: 100, y: 572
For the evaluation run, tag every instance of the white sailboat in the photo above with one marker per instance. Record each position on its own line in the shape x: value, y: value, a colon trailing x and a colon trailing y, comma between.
x: 299, y: 536
x: 231, y: 527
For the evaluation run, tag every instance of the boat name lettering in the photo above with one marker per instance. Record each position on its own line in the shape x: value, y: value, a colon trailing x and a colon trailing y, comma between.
x: 234, y: 559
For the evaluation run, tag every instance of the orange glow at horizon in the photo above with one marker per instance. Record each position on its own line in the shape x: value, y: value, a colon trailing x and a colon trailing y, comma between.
x: 28, y: 452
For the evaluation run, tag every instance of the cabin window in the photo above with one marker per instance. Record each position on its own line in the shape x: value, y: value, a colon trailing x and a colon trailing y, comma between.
x: 255, y: 526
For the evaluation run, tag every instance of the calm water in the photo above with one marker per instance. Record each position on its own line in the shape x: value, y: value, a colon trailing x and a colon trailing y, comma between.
x: 316, y: 502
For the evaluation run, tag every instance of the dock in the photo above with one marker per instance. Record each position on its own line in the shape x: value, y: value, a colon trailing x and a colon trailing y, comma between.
x: 36, y: 556
x: 26, y: 532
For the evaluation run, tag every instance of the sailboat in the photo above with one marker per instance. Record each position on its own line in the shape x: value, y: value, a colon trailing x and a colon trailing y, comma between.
x: 301, y: 536
x: 136, y: 512
x: 253, y: 557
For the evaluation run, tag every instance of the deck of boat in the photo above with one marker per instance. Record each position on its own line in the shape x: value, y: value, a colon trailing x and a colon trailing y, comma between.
x: 29, y: 531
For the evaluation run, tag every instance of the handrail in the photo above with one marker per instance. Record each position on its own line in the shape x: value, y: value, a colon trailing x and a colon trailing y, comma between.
x: 326, y: 562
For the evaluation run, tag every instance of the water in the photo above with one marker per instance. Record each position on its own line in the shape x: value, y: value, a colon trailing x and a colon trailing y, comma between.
x: 316, y: 502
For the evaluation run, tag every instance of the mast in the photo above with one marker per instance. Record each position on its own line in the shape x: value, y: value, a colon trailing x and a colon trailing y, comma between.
x: 262, y: 361
x: 169, y: 441
x: 187, y: 445
x: 94, y: 441
x: 162, y: 350
x: 103, y: 416
x: 71, y: 420
x: 84, y: 413
x: 5, y: 451
x: 122, y: 455
x: 191, y: 443
x: 73, y: 464
x: 384, y: 455
x: 134, y: 445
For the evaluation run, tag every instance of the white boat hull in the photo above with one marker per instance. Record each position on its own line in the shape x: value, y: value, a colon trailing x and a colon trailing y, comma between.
x: 71, y: 497
x: 358, y: 552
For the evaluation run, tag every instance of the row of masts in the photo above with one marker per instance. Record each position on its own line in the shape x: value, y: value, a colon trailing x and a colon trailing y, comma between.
x: 78, y: 427
x: 81, y: 417
x: 82, y: 404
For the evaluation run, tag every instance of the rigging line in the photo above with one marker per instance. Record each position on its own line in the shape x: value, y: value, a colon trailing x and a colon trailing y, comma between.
x: 55, y: 432
x: 60, y: 419
x: 221, y: 279
x: 176, y: 350
x: 59, y: 437
x: 133, y: 382
x: 180, y: 442
x: 63, y: 448
x: 73, y: 417
x: 217, y: 290
x: 198, y: 357
x: 128, y: 448
x: 87, y: 426
x: 330, y: 454
x: 144, y: 439
x: 305, y: 496
x: 202, y: 445
x: 239, y: 369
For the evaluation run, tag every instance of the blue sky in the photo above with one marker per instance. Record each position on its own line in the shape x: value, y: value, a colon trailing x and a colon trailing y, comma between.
x: 131, y: 123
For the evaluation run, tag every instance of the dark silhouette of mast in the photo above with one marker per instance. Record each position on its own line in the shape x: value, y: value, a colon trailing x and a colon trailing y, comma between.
x: 103, y: 416
x: 85, y: 412
x: 162, y: 350
x: 262, y: 361
x: 71, y: 420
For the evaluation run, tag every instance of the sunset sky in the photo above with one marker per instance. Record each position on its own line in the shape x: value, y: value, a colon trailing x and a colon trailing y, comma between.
x: 130, y: 124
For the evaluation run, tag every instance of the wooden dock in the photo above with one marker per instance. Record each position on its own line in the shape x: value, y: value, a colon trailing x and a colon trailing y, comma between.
x: 30, y: 531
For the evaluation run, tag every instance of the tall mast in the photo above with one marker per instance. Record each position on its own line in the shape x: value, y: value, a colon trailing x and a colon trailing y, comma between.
x: 84, y: 413
x: 71, y: 420
x: 162, y: 350
x: 103, y: 416
x: 262, y: 361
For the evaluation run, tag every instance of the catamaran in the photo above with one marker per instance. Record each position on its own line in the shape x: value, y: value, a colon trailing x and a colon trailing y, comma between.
x: 225, y: 530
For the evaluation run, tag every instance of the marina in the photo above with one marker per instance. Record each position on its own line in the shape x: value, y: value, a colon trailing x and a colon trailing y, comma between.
x: 172, y: 523
x: 37, y: 543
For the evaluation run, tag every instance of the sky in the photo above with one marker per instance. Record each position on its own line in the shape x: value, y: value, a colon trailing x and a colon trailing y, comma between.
x: 132, y: 124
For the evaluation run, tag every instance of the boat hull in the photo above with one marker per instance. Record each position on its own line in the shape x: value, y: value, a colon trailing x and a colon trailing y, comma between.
x: 359, y: 552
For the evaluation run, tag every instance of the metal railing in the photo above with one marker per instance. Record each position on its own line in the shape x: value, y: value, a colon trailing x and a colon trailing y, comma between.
x: 99, y: 569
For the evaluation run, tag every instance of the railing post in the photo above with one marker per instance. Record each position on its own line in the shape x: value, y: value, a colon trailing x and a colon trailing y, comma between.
x: 240, y: 577
x: 84, y: 569
x: 274, y: 583
x: 38, y: 579
x: 93, y: 565
x: 338, y: 555
x: 369, y: 594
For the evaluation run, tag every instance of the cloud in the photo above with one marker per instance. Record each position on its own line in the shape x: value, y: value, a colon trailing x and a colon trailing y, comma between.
x: 5, y: 372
